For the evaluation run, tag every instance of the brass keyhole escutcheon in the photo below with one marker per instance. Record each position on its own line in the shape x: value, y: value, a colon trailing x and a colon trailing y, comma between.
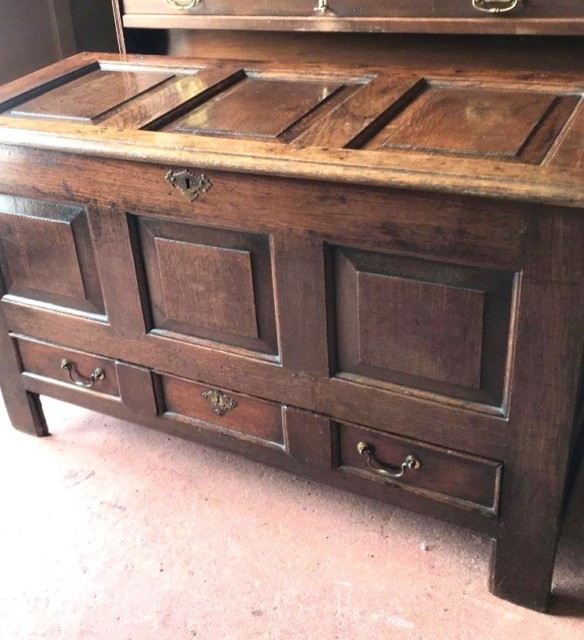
x: 220, y: 402
x: 188, y: 184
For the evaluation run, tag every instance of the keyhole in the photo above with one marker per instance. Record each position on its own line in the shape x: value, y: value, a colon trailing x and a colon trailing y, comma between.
x: 188, y: 184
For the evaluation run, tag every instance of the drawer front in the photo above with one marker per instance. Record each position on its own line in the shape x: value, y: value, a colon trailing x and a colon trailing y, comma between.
x: 457, y: 478
x: 223, y: 410
x: 83, y: 370
x: 363, y: 9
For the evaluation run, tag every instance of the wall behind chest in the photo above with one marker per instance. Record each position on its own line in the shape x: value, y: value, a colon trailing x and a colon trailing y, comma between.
x: 35, y: 33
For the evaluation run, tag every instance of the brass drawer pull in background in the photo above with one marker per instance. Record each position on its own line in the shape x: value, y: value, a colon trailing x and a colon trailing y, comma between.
x: 220, y: 402
x: 322, y: 7
x: 87, y: 383
x: 182, y: 5
x: 189, y: 185
x: 368, y: 450
x: 495, y: 6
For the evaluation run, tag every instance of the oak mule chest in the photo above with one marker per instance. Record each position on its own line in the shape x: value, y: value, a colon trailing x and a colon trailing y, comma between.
x: 365, y: 267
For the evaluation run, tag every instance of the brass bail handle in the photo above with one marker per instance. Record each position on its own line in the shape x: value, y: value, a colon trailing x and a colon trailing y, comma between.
x: 368, y: 450
x: 182, y: 5
x: 495, y: 6
x: 81, y: 381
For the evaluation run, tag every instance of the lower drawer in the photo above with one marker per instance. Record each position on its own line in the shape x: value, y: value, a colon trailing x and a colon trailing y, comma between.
x: 221, y: 409
x: 83, y: 370
x: 463, y: 480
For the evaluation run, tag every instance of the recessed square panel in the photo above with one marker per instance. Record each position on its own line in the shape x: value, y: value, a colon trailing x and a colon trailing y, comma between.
x: 426, y: 325
x: 471, y: 121
x: 46, y: 254
x: 190, y: 271
x: 440, y: 328
x: 211, y: 284
x: 85, y: 99
x: 257, y: 108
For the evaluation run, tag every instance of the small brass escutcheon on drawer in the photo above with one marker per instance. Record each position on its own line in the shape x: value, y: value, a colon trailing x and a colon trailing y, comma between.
x: 454, y: 477
x: 233, y: 413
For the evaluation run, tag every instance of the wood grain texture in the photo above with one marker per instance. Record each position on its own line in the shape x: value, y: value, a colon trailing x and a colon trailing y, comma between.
x: 309, y: 437
x: 535, y: 54
x: 439, y: 327
x: 551, y: 308
x: 470, y: 482
x: 274, y: 456
x: 86, y: 98
x: 425, y: 329
x: 58, y: 265
x: 301, y: 303
x: 249, y: 417
x: 370, y: 103
x: 137, y: 389
x: 211, y: 284
x: 44, y: 360
x: 366, y: 8
x: 483, y: 25
x: 207, y: 286
x: 355, y: 261
x: 257, y: 108
x: 472, y: 229
x: 151, y: 108
x: 397, y: 169
x: 492, y: 123
x: 568, y: 151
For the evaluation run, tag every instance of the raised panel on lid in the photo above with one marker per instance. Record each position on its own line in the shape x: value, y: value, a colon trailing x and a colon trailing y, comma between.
x: 257, y: 108
x: 211, y: 284
x: 90, y: 96
x: 469, y: 121
x: 46, y: 254
x: 429, y: 326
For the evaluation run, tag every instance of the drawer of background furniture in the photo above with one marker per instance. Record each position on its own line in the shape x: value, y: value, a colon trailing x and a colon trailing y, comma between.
x: 84, y: 370
x: 207, y: 406
x: 449, y: 476
x: 361, y: 9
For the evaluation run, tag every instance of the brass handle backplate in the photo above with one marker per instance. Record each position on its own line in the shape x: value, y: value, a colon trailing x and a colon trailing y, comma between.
x: 368, y: 450
x: 219, y: 402
x: 81, y: 381
x: 182, y: 5
x: 495, y: 6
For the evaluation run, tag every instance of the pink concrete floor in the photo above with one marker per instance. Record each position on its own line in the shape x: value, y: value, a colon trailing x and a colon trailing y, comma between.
x: 111, y: 531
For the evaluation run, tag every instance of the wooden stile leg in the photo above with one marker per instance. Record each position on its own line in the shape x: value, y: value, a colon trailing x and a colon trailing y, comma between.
x: 522, y: 567
x: 24, y: 408
x: 543, y: 404
x: 26, y: 412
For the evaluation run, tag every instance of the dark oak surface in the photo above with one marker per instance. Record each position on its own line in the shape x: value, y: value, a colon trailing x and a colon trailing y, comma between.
x: 446, y: 16
x: 272, y: 139
x: 362, y: 253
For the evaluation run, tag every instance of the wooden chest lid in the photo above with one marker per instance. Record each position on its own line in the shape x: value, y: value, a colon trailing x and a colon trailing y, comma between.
x: 496, y: 134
